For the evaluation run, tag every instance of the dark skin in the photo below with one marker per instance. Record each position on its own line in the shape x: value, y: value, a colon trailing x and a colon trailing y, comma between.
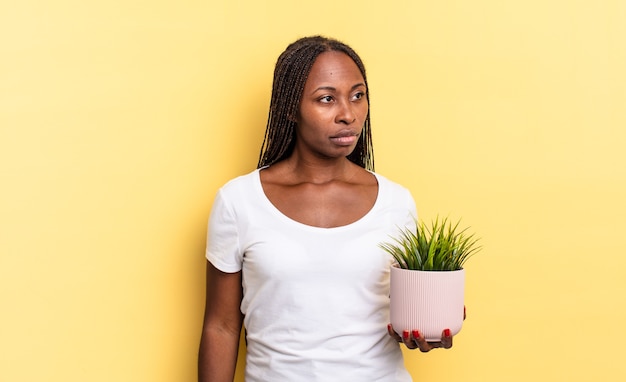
x: 415, y: 340
x: 219, y: 345
x: 317, y: 186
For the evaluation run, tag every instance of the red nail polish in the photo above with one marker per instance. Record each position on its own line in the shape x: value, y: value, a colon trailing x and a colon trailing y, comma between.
x: 405, y: 334
x: 389, y: 327
x: 416, y: 334
x: 446, y: 333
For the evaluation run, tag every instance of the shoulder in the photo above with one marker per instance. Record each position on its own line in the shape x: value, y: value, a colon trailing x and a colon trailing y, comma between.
x: 237, y: 190
x: 236, y: 198
x: 241, y: 183
x: 390, y: 186
x: 394, y: 194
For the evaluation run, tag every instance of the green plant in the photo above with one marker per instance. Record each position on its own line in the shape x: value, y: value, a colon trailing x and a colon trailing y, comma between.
x: 440, y: 247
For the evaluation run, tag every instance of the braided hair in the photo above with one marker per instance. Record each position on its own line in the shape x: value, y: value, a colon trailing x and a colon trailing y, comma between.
x: 291, y: 72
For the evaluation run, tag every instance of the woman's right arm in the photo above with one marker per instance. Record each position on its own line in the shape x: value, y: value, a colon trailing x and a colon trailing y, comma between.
x: 219, y: 344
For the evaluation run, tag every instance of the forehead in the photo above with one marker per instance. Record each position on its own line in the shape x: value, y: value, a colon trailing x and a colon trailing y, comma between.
x: 332, y: 67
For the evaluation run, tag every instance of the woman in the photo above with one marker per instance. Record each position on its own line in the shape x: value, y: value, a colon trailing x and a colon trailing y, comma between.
x: 293, y: 246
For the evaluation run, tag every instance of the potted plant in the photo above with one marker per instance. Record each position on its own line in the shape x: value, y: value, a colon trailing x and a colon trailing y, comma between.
x: 428, y: 278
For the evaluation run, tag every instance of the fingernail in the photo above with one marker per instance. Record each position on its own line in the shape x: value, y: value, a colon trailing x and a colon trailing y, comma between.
x: 416, y: 334
x: 405, y: 334
x: 388, y: 327
x: 446, y: 333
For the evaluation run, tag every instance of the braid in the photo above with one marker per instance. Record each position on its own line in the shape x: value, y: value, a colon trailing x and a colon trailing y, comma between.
x: 290, y: 75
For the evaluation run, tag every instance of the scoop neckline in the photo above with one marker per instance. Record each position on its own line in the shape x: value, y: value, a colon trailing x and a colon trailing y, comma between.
x: 275, y: 211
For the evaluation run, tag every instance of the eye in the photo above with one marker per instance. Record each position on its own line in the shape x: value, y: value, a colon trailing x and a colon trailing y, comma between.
x: 357, y: 96
x: 326, y: 99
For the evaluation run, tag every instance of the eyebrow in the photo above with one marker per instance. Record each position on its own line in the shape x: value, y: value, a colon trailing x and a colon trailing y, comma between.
x: 334, y: 89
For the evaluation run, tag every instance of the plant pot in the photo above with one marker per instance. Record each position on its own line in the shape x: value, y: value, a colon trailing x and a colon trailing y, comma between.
x: 428, y: 301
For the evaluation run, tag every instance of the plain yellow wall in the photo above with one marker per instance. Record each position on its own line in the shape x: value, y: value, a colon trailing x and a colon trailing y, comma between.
x: 119, y: 120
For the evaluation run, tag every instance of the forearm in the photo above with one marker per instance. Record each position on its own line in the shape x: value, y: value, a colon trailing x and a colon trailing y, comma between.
x: 218, y: 355
x: 219, y: 344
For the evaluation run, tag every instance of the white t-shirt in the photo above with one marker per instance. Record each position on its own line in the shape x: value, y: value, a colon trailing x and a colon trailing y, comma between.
x: 316, y: 300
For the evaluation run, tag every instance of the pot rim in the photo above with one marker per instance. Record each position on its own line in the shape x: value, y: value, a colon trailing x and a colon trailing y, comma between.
x: 396, y: 266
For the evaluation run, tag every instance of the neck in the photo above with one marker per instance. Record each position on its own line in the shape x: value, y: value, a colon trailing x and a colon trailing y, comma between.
x: 321, y: 171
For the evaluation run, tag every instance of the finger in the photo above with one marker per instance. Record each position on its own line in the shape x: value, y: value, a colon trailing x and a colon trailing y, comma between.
x: 393, y: 333
x: 446, y: 339
x: 408, y: 340
x: 422, y: 344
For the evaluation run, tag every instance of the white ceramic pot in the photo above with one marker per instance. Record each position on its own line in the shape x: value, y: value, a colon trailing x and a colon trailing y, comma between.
x: 428, y: 301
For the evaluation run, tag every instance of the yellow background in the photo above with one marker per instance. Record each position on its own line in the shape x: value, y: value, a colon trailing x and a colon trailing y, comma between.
x: 119, y: 120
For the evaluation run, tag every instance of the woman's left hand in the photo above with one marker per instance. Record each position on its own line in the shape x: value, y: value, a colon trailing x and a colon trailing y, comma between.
x: 415, y: 340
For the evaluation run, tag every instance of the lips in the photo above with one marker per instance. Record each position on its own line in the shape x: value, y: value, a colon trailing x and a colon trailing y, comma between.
x: 345, y: 138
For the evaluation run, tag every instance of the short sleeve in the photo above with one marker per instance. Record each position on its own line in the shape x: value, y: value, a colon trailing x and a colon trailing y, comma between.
x: 412, y: 216
x: 223, y: 249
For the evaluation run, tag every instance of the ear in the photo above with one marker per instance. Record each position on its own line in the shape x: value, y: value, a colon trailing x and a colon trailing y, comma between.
x: 293, y: 117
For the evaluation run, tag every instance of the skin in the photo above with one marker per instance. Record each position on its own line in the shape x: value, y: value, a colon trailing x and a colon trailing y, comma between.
x: 317, y: 185
x: 415, y: 340
x: 219, y: 344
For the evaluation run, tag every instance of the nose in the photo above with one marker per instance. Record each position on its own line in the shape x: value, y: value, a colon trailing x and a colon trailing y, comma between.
x: 345, y: 113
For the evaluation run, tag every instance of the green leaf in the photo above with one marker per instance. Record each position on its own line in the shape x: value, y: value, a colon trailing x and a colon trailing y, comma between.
x: 438, y: 247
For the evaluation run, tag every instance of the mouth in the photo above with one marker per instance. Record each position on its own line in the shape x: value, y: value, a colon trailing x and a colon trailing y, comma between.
x: 345, y: 138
